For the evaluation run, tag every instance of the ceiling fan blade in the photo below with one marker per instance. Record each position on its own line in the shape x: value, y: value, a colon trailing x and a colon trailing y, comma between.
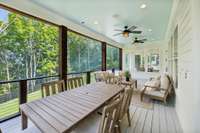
x: 140, y: 41
x: 132, y: 28
x: 133, y: 42
x: 118, y: 30
x: 136, y: 32
x: 136, y: 42
x: 143, y: 40
x: 117, y: 34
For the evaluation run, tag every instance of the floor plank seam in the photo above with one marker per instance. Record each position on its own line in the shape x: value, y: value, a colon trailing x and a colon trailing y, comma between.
x: 166, y: 117
x: 145, y: 120
x: 146, y: 112
x: 136, y: 123
x: 152, y: 118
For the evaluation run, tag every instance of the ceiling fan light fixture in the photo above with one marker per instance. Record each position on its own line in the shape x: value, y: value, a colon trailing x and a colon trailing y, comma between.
x: 126, y: 34
x: 82, y: 22
x: 143, y: 6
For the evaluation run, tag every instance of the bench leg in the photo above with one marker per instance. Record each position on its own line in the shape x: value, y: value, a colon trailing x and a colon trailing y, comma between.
x: 136, y: 84
x: 141, y: 97
x: 24, y: 120
x: 118, y: 128
x: 129, y: 118
x: 165, y: 101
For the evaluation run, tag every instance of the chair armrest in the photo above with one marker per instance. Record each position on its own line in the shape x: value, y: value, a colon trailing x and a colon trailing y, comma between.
x: 162, y: 89
x: 142, y: 93
x: 152, y: 87
x: 157, y: 88
x: 145, y: 87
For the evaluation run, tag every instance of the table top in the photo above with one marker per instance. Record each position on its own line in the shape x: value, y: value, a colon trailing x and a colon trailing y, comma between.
x: 62, y: 112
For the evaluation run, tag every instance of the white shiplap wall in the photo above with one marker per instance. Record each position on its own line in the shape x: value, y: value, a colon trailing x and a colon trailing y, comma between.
x: 186, y: 97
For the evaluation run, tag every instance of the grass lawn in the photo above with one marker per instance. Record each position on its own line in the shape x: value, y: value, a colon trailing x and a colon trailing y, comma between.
x: 12, y: 106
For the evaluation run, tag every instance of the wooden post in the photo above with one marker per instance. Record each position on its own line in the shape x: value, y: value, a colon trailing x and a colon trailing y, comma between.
x: 24, y: 120
x: 120, y: 59
x: 22, y: 91
x: 63, y: 53
x: 88, y: 77
x: 103, y: 46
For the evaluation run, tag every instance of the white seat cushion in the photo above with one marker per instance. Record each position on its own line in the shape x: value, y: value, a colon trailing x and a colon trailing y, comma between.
x: 153, y: 83
x: 155, y: 93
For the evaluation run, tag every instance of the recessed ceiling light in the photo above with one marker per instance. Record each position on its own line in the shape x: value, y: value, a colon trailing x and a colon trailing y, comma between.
x: 150, y: 30
x: 143, y: 6
x: 96, y: 22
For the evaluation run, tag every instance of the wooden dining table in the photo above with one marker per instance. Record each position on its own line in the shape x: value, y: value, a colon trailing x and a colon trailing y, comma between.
x: 61, y: 113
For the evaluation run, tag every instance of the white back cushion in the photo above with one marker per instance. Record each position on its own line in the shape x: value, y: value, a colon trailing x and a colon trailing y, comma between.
x: 164, y: 82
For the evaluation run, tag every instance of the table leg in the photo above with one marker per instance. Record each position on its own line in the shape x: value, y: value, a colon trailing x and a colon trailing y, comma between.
x: 24, y: 120
x: 136, y: 84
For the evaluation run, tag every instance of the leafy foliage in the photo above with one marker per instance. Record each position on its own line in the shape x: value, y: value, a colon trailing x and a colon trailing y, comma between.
x: 127, y: 74
x: 29, y: 48
x: 112, y: 57
x: 84, y: 54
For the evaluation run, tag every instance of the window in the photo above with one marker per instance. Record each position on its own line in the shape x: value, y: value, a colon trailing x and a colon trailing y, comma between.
x: 112, y: 57
x: 9, y: 99
x: 173, y: 56
x: 139, y: 63
x: 127, y: 61
x: 84, y: 54
x: 153, y: 63
x: 28, y: 49
x: 175, y: 59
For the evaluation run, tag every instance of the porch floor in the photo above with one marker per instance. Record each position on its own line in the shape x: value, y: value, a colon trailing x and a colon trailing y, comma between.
x: 159, y: 119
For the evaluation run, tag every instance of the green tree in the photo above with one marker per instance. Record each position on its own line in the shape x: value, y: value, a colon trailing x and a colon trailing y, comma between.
x: 29, y: 48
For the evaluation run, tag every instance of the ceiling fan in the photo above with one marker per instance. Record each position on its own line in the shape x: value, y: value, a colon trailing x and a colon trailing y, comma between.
x: 127, y: 30
x: 139, y: 40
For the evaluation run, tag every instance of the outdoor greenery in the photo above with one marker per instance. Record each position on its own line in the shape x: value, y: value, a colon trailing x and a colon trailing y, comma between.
x: 29, y: 48
x: 127, y: 74
x: 112, y: 57
x: 139, y: 62
x: 12, y: 106
x: 84, y: 54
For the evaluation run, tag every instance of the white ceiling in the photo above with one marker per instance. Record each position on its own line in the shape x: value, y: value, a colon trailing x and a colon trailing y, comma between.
x: 115, y: 14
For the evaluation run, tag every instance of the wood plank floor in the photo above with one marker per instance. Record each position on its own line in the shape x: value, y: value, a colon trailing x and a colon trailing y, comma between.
x: 160, y: 119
